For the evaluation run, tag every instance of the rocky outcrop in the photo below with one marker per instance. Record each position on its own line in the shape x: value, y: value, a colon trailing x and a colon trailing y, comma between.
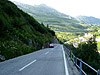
x: 2, y: 58
x: 45, y: 45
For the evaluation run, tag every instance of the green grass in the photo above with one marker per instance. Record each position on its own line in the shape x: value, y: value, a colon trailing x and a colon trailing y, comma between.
x: 98, y: 45
x: 65, y: 36
x: 67, y: 33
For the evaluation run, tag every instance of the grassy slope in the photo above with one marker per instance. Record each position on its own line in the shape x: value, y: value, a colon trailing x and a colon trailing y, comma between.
x: 45, y: 14
x: 19, y: 32
x: 57, y: 21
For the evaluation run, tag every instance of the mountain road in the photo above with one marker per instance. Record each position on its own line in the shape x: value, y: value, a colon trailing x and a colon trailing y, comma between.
x: 48, y: 61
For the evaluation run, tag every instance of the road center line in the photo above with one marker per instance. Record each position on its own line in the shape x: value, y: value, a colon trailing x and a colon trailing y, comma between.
x: 27, y: 65
x: 46, y: 53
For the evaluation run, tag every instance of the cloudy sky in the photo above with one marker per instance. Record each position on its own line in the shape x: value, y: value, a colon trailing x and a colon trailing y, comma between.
x: 70, y: 7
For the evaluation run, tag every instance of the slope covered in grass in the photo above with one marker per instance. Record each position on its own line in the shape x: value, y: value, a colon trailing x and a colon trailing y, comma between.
x: 56, y: 20
x: 51, y: 16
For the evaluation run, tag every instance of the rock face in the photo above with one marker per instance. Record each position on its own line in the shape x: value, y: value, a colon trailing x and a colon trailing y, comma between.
x: 45, y: 45
x: 55, y: 41
x: 2, y: 58
x: 30, y: 42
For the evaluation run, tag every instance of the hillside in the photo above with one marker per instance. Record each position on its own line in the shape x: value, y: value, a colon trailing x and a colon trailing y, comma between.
x: 47, y: 15
x: 19, y: 32
x: 88, y: 20
x: 59, y: 22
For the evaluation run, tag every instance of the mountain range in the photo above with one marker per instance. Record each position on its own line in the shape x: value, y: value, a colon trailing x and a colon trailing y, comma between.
x: 65, y: 26
x: 88, y: 20
x: 47, y: 15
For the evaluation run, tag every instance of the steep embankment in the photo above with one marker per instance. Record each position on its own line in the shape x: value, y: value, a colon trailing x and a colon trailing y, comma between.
x: 19, y: 32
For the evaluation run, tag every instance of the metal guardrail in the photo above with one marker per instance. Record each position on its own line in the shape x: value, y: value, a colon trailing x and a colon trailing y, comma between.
x: 75, y: 60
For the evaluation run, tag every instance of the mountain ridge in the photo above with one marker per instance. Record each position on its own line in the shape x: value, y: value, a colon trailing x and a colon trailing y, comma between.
x: 88, y: 20
x: 56, y: 16
x: 47, y: 15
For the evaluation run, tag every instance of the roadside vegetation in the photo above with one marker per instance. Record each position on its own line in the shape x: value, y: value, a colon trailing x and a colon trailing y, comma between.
x: 19, y: 32
x: 87, y: 51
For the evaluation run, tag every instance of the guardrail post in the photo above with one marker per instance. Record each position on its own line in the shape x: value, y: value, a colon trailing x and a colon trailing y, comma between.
x: 80, y: 66
x: 98, y: 73
x: 74, y: 60
x: 71, y: 55
x: 68, y: 53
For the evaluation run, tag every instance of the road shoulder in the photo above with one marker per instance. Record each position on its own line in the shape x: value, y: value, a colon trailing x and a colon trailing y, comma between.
x: 71, y: 67
x: 65, y: 64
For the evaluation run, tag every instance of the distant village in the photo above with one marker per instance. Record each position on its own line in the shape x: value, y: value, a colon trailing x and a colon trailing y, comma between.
x: 83, y: 39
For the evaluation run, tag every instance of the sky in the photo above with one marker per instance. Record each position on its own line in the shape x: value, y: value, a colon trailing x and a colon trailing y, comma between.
x: 70, y: 7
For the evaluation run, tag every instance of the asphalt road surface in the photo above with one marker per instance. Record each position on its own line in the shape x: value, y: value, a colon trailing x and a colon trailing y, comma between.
x: 49, y: 61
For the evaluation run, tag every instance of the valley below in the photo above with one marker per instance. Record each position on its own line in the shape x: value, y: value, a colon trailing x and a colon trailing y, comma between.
x: 66, y: 28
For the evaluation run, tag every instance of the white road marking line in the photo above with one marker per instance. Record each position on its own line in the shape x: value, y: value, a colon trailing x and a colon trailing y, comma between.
x: 66, y: 68
x: 27, y: 65
x: 46, y: 53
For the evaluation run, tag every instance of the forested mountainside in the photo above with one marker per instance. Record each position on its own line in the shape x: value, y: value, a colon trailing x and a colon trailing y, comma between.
x: 19, y: 32
x: 88, y: 20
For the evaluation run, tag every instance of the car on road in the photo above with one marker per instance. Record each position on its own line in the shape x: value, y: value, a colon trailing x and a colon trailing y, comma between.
x: 51, y: 46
